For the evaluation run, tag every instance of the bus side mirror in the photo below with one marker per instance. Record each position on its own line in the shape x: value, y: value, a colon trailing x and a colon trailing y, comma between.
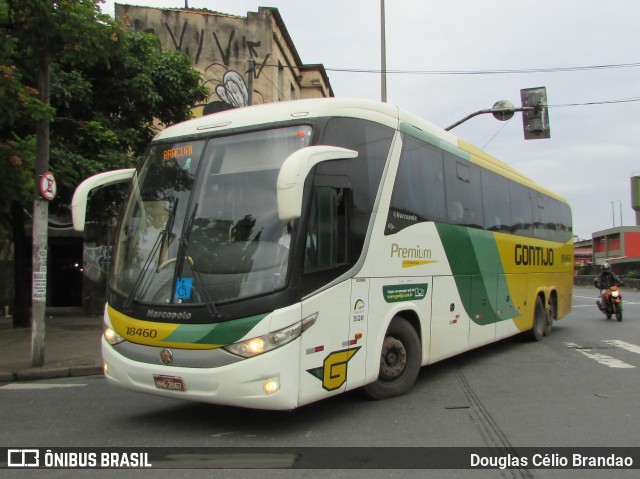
x: 81, y: 195
x: 294, y: 171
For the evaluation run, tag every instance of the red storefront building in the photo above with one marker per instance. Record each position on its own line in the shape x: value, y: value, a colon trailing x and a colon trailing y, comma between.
x: 620, y: 246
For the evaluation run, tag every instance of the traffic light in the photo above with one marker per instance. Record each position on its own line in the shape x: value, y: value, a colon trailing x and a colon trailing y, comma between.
x: 535, y: 121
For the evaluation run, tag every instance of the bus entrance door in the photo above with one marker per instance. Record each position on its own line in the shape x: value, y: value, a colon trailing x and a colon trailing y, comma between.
x: 325, y: 351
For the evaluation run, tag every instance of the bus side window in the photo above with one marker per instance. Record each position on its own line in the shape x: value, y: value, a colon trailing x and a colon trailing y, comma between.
x: 326, y: 253
x: 326, y: 244
x: 464, y: 193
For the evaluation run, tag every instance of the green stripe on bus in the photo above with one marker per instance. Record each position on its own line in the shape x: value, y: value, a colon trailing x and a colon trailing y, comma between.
x: 409, y: 129
x: 216, y: 334
x: 478, y: 272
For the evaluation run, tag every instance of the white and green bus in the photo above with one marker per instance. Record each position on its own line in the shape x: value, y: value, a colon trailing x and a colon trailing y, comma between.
x: 275, y: 255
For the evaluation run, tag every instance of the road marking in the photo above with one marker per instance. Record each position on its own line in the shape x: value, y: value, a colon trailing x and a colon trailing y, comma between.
x: 600, y: 358
x: 23, y: 386
x: 623, y: 345
x: 594, y: 298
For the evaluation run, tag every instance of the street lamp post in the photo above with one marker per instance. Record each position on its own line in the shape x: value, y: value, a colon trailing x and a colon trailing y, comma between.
x: 383, y: 54
x: 620, y: 211
x: 613, y: 215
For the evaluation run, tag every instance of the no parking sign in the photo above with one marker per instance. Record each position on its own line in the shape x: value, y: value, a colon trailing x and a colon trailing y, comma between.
x: 48, y: 187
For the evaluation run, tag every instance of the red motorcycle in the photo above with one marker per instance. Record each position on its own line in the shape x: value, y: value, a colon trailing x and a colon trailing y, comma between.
x: 612, y: 305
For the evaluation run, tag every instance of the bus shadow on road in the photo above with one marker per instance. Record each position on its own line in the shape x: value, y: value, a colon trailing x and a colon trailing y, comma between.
x: 226, y: 424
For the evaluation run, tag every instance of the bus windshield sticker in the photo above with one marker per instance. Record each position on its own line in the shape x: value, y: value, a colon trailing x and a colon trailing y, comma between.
x: 183, y: 288
x: 404, y: 292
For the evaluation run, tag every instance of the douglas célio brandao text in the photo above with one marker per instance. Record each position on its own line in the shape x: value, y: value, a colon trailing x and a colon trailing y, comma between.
x: 550, y: 460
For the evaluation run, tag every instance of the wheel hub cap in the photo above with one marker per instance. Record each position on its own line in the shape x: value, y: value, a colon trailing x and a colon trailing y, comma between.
x: 394, y: 359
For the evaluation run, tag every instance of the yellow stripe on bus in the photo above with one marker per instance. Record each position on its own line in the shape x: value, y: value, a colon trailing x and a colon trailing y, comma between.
x: 155, y: 334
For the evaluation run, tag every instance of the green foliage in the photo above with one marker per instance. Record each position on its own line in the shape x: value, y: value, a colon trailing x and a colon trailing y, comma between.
x: 109, y: 91
x: 17, y: 163
x: 633, y: 274
x: 588, y: 270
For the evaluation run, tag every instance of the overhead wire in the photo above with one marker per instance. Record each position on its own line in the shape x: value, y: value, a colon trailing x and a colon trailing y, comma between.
x: 589, y: 103
x: 490, y: 72
x: 500, y: 72
x: 602, y: 102
x: 497, y: 133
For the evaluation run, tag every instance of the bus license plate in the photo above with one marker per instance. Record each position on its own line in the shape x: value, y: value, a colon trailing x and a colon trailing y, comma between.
x: 169, y: 382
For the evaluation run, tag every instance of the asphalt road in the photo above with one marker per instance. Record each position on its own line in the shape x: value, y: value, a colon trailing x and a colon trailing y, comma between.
x: 578, y: 387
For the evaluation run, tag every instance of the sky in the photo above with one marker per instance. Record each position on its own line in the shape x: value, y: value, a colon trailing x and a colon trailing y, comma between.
x: 439, y: 54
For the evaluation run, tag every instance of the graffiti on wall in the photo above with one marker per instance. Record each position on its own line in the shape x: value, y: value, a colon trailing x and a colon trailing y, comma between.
x: 96, y: 259
x: 214, y: 53
x: 233, y: 90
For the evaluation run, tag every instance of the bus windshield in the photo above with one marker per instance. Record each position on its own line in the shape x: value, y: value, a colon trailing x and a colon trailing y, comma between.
x: 201, y: 225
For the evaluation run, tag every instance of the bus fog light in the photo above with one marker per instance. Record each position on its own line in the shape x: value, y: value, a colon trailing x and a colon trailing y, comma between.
x: 271, y: 386
x: 105, y: 368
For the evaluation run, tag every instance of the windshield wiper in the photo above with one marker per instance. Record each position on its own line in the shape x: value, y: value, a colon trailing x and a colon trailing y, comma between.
x: 164, y: 237
x: 182, y: 255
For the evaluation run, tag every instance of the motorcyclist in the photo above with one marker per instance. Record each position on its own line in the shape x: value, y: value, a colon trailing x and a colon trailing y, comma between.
x: 604, y: 281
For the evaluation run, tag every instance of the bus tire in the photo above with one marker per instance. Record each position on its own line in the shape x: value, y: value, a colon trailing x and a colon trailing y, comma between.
x: 400, y: 361
x: 539, y: 321
x: 552, y: 313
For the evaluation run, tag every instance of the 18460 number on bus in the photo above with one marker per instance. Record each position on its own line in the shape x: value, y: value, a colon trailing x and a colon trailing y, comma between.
x: 142, y: 333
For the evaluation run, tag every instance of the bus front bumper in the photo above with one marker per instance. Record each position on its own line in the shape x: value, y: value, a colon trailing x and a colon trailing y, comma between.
x: 268, y: 381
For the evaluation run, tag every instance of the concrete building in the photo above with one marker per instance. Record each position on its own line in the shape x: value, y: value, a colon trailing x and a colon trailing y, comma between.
x: 583, y: 253
x: 620, y: 246
x: 243, y: 60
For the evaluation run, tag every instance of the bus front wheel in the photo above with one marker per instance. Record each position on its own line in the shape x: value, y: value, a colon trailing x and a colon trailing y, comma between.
x: 400, y: 360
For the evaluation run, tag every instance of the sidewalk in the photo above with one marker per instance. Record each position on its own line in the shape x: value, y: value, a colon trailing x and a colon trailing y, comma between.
x: 71, y: 348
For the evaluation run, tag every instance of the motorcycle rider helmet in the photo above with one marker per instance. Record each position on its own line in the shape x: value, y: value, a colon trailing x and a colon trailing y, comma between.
x: 606, y: 267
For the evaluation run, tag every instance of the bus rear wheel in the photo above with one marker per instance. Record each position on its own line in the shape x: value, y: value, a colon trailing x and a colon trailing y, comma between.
x: 400, y: 361
x: 552, y: 314
x: 540, y: 321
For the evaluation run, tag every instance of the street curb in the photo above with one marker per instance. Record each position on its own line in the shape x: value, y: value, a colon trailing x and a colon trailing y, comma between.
x: 85, y: 371
x: 50, y: 373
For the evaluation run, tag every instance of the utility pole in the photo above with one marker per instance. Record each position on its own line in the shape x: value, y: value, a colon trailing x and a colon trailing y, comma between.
x: 620, y: 203
x: 252, y: 68
x: 383, y: 54
x: 40, y: 218
x: 613, y: 215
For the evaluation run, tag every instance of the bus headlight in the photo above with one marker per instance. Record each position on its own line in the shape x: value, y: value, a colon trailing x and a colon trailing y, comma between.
x: 255, y: 346
x: 112, y: 337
